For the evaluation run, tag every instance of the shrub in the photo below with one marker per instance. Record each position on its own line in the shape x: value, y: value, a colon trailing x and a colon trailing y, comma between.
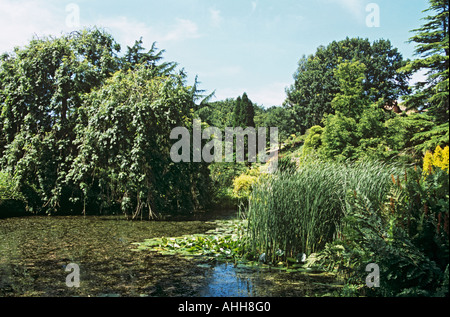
x: 12, y: 201
x: 439, y: 159
x: 407, y: 236
x: 8, y: 188
x: 222, y: 176
x: 242, y: 186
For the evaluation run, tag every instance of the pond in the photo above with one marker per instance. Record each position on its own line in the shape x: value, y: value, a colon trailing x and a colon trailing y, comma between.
x: 34, y: 253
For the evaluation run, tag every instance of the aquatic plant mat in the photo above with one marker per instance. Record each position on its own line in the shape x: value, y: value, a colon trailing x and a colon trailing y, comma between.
x: 34, y: 252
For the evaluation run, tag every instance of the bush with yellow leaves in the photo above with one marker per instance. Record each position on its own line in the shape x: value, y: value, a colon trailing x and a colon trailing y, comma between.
x: 438, y: 159
x: 242, y: 185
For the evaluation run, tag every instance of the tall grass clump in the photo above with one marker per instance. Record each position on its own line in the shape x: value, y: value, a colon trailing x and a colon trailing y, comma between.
x: 295, y: 212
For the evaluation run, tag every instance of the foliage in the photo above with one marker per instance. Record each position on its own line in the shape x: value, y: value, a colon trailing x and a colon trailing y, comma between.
x: 124, y: 149
x: 356, y: 126
x: 434, y: 136
x: 85, y: 128
x: 339, y: 137
x: 224, y: 242
x: 299, y: 212
x: 242, y: 186
x: 222, y: 176
x: 313, y: 141
x: 8, y: 188
x: 136, y: 55
x: 42, y: 86
x: 217, y: 114
x: 432, y: 95
x: 350, y: 100
x: 357, y: 130
x: 407, y: 236
x: 277, y: 117
x: 401, y: 135
x: 244, y: 112
x: 286, y: 163
x: 375, y: 136
x: 439, y: 159
x: 432, y: 50
x: 315, y: 87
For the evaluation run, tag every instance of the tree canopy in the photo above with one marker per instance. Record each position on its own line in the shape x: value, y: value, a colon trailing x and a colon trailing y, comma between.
x: 430, y: 96
x: 81, y: 125
x: 244, y: 112
x: 86, y: 127
x: 315, y: 86
x: 432, y: 48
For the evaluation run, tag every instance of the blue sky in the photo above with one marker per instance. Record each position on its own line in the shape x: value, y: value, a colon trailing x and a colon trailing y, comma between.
x: 233, y: 46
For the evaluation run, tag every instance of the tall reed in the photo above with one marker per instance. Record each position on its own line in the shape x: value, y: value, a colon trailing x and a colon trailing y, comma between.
x: 296, y: 212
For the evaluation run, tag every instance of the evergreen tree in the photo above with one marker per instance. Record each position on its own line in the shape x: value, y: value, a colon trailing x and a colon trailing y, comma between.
x: 237, y: 118
x: 244, y: 112
x: 248, y: 111
x: 136, y: 55
x: 433, y: 51
x: 431, y: 96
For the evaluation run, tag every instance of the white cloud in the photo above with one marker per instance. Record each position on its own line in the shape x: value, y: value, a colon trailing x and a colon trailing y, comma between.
x: 271, y: 94
x: 216, y: 18
x: 254, y: 5
x: 21, y: 20
x: 355, y: 7
x: 183, y: 29
x: 126, y: 31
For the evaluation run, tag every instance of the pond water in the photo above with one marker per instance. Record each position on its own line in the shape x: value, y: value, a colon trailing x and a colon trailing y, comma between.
x: 34, y: 252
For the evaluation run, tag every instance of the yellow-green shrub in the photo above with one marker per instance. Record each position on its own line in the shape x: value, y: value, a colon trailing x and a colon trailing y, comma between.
x: 440, y: 159
x: 242, y: 185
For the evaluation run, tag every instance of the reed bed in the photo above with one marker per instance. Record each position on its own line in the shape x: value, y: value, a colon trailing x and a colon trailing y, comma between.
x: 296, y: 212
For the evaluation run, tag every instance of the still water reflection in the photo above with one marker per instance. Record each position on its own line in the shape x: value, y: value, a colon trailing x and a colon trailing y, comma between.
x: 34, y: 252
x: 227, y: 281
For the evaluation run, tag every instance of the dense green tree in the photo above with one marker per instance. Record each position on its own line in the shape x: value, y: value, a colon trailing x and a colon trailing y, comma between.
x: 277, y: 117
x: 315, y: 86
x: 408, y: 135
x: 339, y: 137
x: 152, y: 59
x: 124, y: 157
x: 244, y: 112
x: 81, y: 125
x: 45, y: 81
x: 248, y: 110
x: 350, y: 100
x: 42, y: 87
x: 431, y: 95
x: 217, y: 114
x: 432, y: 48
x: 313, y: 142
x: 238, y: 118
x: 356, y: 130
